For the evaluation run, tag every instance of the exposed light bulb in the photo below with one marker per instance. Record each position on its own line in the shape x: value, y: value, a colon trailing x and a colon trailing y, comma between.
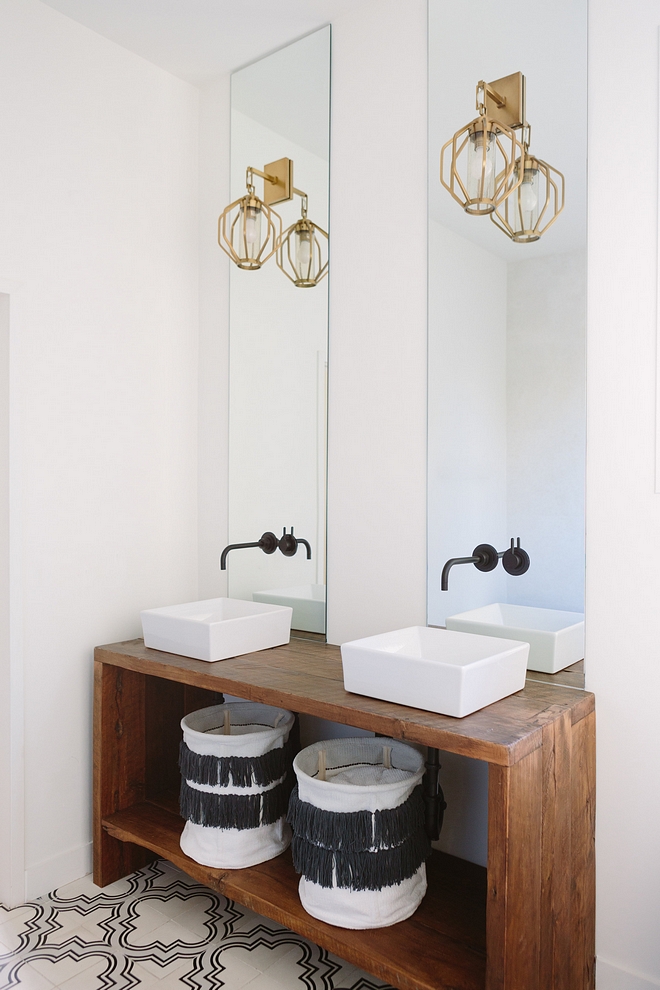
x: 303, y: 250
x: 528, y: 197
x: 481, y: 170
x: 251, y: 228
x: 476, y: 168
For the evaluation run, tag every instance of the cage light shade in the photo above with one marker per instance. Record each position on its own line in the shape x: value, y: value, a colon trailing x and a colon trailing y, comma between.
x: 248, y: 231
x: 477, y: 165
x: 302, y: 253
x: 535, y: 201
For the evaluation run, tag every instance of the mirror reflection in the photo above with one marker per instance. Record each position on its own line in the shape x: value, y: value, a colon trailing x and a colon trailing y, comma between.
x: 280, y: 110
x: 506, y: 428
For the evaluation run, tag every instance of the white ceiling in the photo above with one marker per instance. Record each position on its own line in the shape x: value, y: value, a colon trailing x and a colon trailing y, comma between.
x: 200, y: 39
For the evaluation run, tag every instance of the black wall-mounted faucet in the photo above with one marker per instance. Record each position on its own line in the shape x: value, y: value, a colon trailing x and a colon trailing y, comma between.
x: 269, y: 543
x: 515, y: 561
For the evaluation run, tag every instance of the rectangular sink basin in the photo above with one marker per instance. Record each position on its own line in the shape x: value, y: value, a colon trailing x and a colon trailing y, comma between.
x: 452, y: 673
x: 556, y: 639
x: 306, y: 600
x: 216, y: 629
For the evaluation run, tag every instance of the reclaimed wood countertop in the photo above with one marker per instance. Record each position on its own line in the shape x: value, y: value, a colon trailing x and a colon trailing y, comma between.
x: 306, y: 676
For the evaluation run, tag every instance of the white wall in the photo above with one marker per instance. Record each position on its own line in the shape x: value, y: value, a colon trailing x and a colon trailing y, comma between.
x: 377, y: 357
x: 213, y: 435
x: 623, y: 512
x: 99, y: 225
x: 11, y: 887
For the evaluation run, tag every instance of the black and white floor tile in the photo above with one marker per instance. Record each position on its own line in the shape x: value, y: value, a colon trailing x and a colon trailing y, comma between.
x: 159, y: 930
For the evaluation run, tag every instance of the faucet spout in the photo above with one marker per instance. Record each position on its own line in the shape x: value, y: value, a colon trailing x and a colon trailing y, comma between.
x: 444, y: 580
x: 484, y: 557
x: 268, y: 543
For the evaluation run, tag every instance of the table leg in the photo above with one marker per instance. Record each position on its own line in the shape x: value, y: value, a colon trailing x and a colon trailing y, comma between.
x: 513, y: 925
x: 119, y: 766
x: 583, y: 870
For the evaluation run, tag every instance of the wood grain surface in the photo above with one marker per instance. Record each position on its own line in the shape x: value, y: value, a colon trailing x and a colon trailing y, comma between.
x: 530, y: 926
x: 442, y: 947
x: 306, y: 676
x: 583, y: 857
x: 555, y: 962
x: 119, y: 766
x: 514, y: 874
x: 572, y: 676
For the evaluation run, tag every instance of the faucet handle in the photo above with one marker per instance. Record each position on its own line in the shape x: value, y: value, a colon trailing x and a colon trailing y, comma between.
x: 488, y: 557
x: 268, y: 542
x: 288, y: 544
x: 516, y: 560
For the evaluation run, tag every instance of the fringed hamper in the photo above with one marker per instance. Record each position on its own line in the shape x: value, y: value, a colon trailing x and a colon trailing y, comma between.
x: 359, y: 841
x: 236, y: 778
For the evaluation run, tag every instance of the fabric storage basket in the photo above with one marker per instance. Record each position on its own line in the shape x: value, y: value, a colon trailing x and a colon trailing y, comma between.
x: 359, y: 841
x: 236, y: 778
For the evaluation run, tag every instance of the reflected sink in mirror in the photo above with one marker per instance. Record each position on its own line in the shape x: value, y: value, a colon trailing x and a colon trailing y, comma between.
x: 556, y: 638
x: 306, y: 600
x: 216, y: 629
x: 438, y: 670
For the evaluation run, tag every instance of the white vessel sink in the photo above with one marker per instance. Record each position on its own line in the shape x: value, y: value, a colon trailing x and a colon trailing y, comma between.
x: 216, y: 629
x: 452, y: 673
x: 306, y: 600
x: 556, y: 639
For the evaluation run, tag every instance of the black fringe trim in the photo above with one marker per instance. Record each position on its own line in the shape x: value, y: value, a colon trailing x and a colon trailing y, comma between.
x: 360, y: 870
x: 356, y: 831
x: 239, y: 811
x: 238, y: 771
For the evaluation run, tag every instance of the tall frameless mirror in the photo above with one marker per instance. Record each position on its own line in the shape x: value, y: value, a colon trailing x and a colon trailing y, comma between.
x: 506, y: 418
x: 280, y: 108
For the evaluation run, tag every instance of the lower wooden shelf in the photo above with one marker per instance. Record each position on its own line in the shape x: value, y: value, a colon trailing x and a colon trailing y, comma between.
x: 442, y: 946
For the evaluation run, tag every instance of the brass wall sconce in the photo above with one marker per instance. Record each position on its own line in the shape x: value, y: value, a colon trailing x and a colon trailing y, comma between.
x: 498, y: 176
x: 302, y: 253
x: 250, y: 231
x: 484, y: 152
x: 535, y: 203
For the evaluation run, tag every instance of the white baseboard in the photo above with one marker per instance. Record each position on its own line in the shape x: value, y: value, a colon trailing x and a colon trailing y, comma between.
x: 44, y: 877
x: 611, y: 977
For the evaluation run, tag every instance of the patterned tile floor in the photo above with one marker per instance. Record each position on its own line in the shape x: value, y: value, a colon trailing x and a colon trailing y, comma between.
x: 159, y: 930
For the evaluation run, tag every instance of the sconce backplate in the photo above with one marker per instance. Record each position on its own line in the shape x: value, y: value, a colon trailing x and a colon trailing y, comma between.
x: 281, y: 190
x: 512, y: 89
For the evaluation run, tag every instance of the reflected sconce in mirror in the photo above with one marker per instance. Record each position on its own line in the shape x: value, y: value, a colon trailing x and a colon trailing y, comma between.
x: 535, y: 203
x: 302, y: 253
x: 250, y: 231
x: 491, y: 171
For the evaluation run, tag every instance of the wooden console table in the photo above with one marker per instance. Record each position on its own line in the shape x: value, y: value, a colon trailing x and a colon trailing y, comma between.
x: 524, y: 923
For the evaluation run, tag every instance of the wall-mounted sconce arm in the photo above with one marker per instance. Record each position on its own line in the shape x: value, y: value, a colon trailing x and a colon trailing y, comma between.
x: 278, y: 180
x: 484, y: 557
